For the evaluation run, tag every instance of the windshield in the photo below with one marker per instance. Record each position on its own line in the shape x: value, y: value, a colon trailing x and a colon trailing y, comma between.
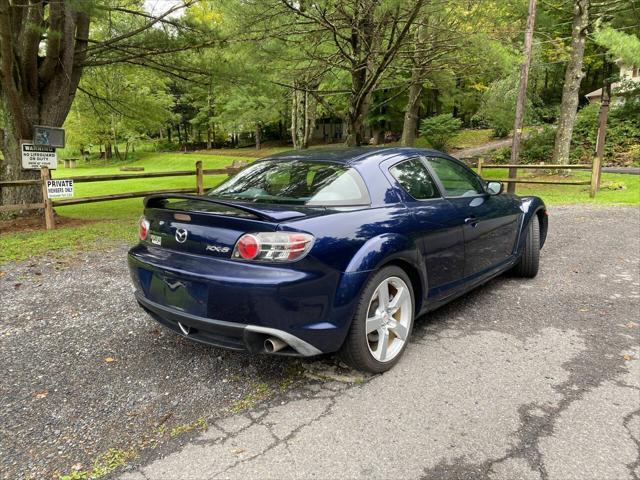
x: 296, y: 182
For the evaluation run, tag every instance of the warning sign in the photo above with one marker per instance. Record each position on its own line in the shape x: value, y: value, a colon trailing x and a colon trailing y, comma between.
x: 34, y: 157
x: 60, y: 188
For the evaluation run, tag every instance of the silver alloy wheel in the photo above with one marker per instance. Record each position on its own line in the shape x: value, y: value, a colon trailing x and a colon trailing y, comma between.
x: 389, y: 318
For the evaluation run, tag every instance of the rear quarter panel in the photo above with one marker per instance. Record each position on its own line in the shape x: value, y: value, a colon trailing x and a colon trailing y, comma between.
x: 357, y: 243
x: 353, y: 241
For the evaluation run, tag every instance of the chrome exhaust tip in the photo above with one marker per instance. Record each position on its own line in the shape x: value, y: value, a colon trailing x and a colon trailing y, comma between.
x: 273, y: 345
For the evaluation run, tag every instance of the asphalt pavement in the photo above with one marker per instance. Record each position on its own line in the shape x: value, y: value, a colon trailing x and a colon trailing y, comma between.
x: 521, y: 379
x: 626, y: 170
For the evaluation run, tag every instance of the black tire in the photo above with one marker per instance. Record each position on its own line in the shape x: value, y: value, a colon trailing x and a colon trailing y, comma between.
x: 355, y: 349
x: 529, y: 262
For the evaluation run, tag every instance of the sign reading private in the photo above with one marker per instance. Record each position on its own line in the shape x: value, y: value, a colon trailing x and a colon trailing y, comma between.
x: 34, y: 157
x: 60, y: 188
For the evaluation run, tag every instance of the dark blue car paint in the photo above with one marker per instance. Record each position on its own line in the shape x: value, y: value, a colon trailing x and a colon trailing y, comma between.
x: 315, y: 298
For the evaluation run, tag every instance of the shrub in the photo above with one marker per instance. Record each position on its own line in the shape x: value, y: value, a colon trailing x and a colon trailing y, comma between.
x: 499, y: 104
x: 547, y: 113
x: 622, y: 145
x: 501, y: 155
x: 623, y: 132
x: 164, y: 145
x: 439, y: 130
x: 538, y: 147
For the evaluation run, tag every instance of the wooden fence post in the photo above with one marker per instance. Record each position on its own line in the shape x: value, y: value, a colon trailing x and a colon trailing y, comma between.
x: 49, y: 221
x: 480, y: 162
x: 596, y: 168
x: 199, y: 178
x: 595, y: 176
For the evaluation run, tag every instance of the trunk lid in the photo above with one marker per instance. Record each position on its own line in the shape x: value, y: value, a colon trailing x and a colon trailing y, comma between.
x: 211, y: 227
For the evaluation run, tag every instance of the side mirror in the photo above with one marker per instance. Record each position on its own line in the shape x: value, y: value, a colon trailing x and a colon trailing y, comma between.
x: 495, y: 188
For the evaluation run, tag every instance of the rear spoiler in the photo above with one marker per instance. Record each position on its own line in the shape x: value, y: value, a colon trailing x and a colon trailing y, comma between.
x: 154, y: 201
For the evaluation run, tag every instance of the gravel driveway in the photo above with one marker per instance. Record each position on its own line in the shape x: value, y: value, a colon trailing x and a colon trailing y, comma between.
x: 531, y: 379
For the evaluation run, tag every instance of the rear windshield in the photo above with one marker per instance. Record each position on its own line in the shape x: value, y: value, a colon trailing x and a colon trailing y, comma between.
x: 296, y: 182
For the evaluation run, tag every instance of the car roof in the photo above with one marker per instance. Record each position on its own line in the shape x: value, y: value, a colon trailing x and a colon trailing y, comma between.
x: 353, y: 155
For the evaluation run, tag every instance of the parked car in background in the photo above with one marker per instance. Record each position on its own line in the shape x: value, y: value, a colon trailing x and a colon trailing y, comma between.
x: 310, y: 252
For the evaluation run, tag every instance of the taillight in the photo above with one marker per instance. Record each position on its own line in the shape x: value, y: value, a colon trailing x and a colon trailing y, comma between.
x: 143, y: 229
x: 248, y: 247
x: 273, y: 246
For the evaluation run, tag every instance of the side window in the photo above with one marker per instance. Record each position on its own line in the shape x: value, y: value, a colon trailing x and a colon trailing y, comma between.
x: 456, y: 179
x: 415, y: 179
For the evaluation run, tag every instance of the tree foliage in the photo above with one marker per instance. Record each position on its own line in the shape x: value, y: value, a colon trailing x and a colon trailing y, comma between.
x: 439, y: 130
x: 620, y: 44
x: 203, y: 74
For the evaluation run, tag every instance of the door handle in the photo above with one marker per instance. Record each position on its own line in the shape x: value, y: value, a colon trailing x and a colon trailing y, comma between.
x: 472, y: 220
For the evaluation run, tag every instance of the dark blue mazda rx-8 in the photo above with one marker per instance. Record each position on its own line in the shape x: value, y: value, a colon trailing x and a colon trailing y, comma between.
x: 321, y: 251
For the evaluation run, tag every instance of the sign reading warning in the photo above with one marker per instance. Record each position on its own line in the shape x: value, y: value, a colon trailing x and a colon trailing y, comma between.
x: 34, y: 157
x: 60, y: 188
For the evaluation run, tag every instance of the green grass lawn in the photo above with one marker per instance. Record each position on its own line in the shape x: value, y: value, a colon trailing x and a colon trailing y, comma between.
x: 63, y: 241
x: 132, y: 208
x: 615, y: 189
x: 114, y: 220
x: 470, y: 138
x: 151, y: 162
x: 117, y: 220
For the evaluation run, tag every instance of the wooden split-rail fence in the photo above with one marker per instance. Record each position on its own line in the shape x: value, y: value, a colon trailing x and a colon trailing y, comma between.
x: 48, y: 204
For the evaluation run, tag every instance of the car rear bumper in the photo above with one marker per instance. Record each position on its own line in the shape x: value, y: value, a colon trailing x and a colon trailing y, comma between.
x: 234, y: 336
x: 238, y: 305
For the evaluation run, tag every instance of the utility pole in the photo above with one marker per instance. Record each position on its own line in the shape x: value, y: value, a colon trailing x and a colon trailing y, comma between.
x: 522, y: 94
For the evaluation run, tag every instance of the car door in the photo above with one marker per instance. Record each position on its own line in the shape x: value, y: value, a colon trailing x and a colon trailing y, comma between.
x: 437, y: 226
x: 490, y: 221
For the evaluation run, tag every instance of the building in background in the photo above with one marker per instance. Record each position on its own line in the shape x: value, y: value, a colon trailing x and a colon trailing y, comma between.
x: 629, y: 81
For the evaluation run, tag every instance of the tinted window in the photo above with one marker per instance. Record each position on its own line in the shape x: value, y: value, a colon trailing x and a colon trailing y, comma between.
x: 415, y: 179
x: 457, y: 180
x: 303, y: 183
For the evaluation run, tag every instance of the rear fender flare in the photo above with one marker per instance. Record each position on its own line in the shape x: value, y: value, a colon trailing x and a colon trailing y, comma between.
x: 531, y: 206
x: 374, y: 254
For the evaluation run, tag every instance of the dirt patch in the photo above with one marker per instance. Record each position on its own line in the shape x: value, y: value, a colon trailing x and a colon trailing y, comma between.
x: 36, y: 222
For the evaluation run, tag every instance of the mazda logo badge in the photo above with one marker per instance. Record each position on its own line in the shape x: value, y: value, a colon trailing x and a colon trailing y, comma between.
x: 181, y: 235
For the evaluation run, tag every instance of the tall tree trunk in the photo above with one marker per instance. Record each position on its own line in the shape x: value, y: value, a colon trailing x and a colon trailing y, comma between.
x: 456, y: 106
x: 310, y: 118
x: 358, y: 107
x: 522, y: 94
x: 572, y: 79
x: 296, y: 122
x: 33, y: 90
x: 546, y: 79
x: 258, y: 133
x: 208, y: 138
x: 420, y: 65
x: 303, y: 115
x: 437, y: 103
x: 410, y: 125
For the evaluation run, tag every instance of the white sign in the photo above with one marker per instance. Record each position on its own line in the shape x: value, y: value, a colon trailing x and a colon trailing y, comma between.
x: 60, y: 188
x: 34, y: 157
